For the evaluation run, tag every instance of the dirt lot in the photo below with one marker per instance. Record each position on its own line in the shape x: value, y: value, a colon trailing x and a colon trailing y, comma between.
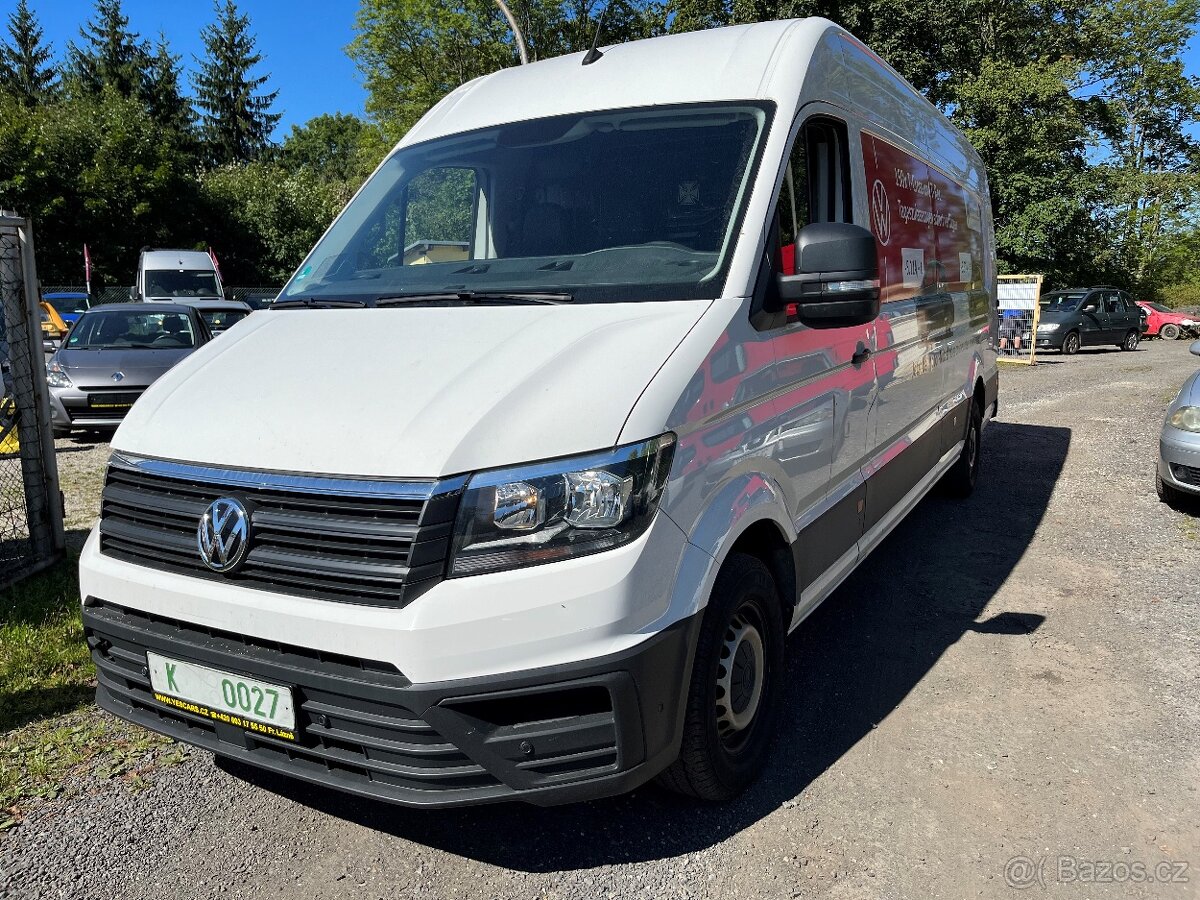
x: 1006, y: 695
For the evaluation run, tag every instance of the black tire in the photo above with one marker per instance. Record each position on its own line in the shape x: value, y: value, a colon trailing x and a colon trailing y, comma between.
x: 960, y: 480
x: 1166, y: 493
x: 1132, y: 339
x: 724, y: 748
x: 1169, y: 332
x: 1070, y: 344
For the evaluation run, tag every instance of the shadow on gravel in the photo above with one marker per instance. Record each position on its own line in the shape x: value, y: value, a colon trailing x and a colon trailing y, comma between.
x: 850, y: 665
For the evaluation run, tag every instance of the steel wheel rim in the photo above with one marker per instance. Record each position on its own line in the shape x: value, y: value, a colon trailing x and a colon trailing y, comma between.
x: 1131, y: 342
x: 741, y: 674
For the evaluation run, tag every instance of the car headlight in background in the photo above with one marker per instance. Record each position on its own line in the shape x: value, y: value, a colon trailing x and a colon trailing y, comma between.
x: 549, y: 511
x: 1049, y: 326
x: 56, y: 376
x: 1186, y: 418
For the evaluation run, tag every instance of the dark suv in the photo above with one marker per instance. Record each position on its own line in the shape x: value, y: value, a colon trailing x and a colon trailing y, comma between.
x: 1087, y: 317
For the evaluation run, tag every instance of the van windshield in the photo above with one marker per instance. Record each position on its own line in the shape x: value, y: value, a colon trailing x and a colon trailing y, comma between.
x: 629, y: 205
x: 176, y: 283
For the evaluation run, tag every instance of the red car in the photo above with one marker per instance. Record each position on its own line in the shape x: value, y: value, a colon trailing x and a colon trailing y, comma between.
x: 1165, y: 322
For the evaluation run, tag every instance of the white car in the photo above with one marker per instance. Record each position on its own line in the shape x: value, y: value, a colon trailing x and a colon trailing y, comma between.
x: 676, y: 369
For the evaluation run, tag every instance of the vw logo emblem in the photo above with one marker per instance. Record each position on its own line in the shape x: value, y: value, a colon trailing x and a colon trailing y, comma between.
x: 118, y: 376
x: 224, y: 535
x: 881, y: 212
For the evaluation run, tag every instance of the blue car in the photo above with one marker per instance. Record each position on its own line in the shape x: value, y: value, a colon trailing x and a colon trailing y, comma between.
x: 70, y: 306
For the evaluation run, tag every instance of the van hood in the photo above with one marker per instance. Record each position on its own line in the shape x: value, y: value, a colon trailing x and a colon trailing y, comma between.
x: 408, y: 392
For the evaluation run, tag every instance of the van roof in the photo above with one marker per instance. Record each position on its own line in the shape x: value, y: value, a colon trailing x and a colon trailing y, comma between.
x: 177, y: 259
x: 772, y: 61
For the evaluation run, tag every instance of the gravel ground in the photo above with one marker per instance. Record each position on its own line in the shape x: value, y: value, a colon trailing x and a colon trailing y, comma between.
x: 1004, y: 695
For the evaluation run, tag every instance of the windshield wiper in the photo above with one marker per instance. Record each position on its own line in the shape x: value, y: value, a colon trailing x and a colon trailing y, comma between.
x: 477, y: 297
x: 317, y: 303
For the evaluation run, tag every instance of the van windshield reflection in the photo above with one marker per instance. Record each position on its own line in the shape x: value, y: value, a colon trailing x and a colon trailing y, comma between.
x: 629, y: 205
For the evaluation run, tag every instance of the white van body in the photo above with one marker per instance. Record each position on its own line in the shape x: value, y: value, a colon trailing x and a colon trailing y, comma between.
x: 425, y: 666
x: 174, y: 276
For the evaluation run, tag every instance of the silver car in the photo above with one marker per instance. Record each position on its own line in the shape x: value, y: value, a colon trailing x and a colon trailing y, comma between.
x: 111, y: 355
x: 219, y: 315
x: 1178, y: 473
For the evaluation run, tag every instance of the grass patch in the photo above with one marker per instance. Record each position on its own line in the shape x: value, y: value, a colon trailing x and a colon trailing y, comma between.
x: 48, y: 726
x: 37, y: 759
x: 45, y: 668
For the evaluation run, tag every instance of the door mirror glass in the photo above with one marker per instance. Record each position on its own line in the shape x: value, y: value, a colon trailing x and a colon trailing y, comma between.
x: 836, y: 284
x: 1195, y: 348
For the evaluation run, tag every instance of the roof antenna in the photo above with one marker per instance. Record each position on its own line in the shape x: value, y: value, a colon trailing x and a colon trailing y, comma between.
x: 593, y: 54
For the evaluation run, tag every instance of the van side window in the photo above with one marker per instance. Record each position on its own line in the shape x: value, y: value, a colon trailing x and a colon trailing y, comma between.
x: 829, y: 171
x: 816, y: 185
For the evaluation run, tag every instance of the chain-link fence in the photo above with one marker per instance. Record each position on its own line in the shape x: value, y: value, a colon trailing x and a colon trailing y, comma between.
x: 31, y: 512
x: 256, y: 297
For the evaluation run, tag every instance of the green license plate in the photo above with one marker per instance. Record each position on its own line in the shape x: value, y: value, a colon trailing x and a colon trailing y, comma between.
x: 224, y: 696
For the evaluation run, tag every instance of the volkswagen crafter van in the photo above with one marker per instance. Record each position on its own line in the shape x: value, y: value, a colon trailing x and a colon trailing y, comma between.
x: 706, y: 318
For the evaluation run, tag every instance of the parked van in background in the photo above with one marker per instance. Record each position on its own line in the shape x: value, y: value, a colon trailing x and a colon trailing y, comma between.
x: 723, y: 317
x: 172, y: 276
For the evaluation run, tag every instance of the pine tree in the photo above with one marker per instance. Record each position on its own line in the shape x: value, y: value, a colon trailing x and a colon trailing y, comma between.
x: 24, y: 72
x: 164, y: 99
x: 235, y: 122
x: 111, y: 56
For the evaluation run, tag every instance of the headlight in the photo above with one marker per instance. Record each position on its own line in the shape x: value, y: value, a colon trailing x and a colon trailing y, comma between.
x: 545, y: 512
x: 1186, y: 418
x: 1049, y: 326
x: 56, y: 376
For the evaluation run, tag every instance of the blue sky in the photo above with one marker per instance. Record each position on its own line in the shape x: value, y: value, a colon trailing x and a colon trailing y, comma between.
x: 303, y: 42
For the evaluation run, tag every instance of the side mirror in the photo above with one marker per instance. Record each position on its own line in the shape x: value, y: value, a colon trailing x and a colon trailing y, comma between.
x: 1195, y: 348
x: 133, y: 294
x: 837, y: 280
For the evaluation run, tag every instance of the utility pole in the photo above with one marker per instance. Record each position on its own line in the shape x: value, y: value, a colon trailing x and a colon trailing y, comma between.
x: 516, y: 30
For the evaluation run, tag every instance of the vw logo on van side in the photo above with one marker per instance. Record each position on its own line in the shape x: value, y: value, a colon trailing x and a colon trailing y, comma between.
x: 224, y: 535
x: 881, y: 212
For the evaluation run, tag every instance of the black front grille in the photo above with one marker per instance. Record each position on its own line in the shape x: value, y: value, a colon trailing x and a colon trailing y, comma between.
x: 377, y: 549
x: 1186, y: 474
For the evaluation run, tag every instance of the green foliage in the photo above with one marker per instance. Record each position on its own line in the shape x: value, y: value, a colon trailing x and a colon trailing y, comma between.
x: 99, y: 170
x: 1025, y: 121
x: 111, y: 55
x: 414, y: 52
x: 25, y: 72
x: 236, y: 121
x: 334, y: 147
x: 1151, y: 179
x: 263, y: 218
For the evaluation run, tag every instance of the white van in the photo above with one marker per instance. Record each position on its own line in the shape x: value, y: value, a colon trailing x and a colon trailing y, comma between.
x: 724, y: 316
x: 174, y: 276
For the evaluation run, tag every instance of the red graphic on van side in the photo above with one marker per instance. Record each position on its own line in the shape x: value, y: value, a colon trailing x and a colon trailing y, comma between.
x: 928, y: 228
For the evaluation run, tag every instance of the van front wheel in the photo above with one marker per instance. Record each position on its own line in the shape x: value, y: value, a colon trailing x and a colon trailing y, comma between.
x: 735, y: 679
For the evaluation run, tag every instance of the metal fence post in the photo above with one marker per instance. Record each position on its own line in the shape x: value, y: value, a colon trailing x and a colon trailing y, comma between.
x: 27, y: 397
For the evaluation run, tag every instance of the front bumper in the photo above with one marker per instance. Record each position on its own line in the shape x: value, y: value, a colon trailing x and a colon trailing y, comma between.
x: 547, y: 736
x: 1179, y: 459
x: 1050, y: 340
x: 71, y: 408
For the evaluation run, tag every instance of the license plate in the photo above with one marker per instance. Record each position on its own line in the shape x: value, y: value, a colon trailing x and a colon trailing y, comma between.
x: 110, y: 401
x: 224, y: 696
